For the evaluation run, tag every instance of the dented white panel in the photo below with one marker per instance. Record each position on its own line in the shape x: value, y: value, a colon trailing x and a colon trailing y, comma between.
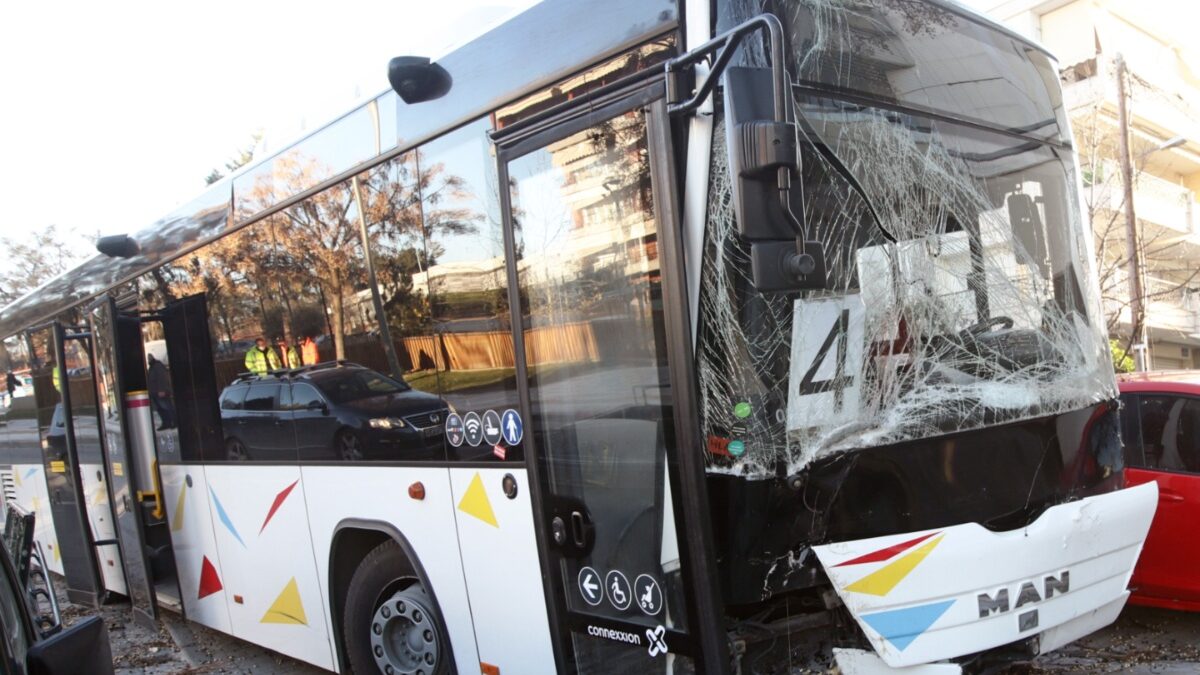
x: 29, y: 481
x: 100, y: 519
x: 193, y: 542
x: 271, y: 587
x: 862, y: 662
x: 925, y: 596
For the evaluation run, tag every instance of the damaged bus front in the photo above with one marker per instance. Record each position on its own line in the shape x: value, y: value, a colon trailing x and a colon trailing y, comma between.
x: 903, y: 372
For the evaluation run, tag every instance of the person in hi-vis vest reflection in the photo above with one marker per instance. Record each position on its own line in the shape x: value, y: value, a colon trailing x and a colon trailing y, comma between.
x: 261, y: 359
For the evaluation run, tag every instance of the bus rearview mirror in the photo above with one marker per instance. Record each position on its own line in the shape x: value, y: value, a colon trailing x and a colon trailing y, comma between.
x: 764, y: 159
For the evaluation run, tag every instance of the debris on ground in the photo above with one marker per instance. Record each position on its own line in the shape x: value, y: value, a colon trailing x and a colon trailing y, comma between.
x: 1143, y: 641
x: 177, y: 647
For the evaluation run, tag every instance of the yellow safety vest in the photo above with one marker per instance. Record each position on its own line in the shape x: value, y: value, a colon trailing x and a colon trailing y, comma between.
x: 291, y: 358
x: 259, y: 362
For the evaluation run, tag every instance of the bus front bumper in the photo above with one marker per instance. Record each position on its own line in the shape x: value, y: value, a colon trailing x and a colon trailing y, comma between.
x: 929, y: 596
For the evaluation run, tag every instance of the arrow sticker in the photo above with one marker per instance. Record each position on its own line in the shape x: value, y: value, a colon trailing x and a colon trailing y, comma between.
x: 589, y: 586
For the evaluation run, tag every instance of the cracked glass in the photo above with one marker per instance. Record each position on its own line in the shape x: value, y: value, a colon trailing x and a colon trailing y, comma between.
x: 961, y: 291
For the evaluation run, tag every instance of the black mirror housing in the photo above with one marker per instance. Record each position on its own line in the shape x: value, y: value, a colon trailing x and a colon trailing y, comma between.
x: 416, y: 79
x: 118, y: 246
x: 760, y: 147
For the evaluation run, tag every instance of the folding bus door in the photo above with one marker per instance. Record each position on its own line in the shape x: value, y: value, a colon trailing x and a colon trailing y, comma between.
x: 84, y: 413
x: 589, y: 207
x: 64, y: 484
x: 128, y: 479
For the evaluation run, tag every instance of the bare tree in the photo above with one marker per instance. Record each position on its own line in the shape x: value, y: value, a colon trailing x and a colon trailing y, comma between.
x: 1097, y: 142
x: 32, y: 261
x: 242, y: 158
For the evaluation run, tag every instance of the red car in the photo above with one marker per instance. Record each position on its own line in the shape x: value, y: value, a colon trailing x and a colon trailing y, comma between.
x: 1160, y: 425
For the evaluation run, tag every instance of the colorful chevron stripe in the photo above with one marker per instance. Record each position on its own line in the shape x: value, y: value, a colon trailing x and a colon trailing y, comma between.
x: 898, y: 626
x: 901, y: 626
x: 883, y: 580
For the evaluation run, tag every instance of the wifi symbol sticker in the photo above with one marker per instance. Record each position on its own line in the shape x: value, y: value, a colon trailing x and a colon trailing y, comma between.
x: 474, y: 428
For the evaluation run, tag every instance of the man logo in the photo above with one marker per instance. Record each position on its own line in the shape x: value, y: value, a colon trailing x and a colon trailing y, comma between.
x: 1026, y: 594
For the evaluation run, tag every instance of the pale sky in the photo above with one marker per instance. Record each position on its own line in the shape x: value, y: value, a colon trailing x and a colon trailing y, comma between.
x: 113, y: 113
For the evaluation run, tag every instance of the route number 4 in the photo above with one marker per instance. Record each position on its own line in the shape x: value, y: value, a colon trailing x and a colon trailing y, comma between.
x: 827, y: 346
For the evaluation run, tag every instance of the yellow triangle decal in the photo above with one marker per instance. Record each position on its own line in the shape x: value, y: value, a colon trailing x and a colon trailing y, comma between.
x: 57, y: 555
x: 17, y: 478
x: 177, y: 521
x: 884, y: 579
x: 475, y: 502
x: 287, y: 608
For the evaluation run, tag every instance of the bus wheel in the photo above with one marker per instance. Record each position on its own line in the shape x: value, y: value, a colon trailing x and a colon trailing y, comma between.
x: 391, y: 625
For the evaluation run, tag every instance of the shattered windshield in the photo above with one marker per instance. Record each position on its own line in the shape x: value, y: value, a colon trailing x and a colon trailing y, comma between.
x: 983, y: 310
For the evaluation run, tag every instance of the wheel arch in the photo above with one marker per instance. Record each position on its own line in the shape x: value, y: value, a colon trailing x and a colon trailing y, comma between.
x: 353, y: 539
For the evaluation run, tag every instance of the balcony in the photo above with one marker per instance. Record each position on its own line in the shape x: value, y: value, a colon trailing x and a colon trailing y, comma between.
x: 1155, y: 199
x: 1171, y: 306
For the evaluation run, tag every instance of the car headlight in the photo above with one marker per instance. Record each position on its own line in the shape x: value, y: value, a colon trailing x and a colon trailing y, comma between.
x: 386, y: 423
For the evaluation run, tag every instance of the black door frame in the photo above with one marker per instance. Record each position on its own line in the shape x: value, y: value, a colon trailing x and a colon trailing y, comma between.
x: 128, y: 475
x: 83, y: 587
x: 705, y: 639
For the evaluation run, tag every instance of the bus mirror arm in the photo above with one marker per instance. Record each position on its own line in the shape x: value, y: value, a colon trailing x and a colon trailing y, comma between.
x: 764, y: 155
x: 681, y: 73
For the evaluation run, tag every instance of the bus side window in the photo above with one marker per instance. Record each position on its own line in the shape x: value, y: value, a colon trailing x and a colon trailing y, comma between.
x: 444, y: 284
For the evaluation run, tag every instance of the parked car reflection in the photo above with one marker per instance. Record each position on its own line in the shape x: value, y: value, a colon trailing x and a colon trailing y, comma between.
x: 335, y: 410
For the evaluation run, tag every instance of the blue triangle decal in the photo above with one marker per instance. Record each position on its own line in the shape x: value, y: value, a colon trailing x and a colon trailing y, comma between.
x: 225, y: 517
x: 901, y: 626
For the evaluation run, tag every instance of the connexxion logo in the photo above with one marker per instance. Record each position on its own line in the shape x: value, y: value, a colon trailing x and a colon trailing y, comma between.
x: 898, y: 626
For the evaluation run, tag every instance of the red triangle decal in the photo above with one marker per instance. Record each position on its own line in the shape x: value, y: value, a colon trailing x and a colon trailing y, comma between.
x: 277, y: 503
x: 209, y: 581
x: 885, y: 553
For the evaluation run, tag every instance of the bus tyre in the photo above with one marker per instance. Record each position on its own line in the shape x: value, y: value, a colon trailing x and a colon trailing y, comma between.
x: 390, y: 624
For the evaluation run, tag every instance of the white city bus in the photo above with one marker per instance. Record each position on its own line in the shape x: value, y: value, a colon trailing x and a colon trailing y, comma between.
x: 632, y: 336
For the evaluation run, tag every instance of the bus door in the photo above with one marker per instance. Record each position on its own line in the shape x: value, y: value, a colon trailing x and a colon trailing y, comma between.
x: 57, y: 425
x: 84, y: 413
x: 128, y: 442
x: 589, y: 214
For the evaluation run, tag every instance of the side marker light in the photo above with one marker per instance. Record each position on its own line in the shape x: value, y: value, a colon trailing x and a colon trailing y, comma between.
x: 417, y: 491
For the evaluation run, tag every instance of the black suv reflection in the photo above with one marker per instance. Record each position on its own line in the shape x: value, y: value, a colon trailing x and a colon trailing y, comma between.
x: 334, y: 410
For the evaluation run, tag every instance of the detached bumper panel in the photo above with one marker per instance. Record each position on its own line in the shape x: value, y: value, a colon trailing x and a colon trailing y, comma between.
x: 927, y: 596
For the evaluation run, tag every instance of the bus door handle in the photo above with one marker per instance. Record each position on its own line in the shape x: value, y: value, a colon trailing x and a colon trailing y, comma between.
x: 571, y: 529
